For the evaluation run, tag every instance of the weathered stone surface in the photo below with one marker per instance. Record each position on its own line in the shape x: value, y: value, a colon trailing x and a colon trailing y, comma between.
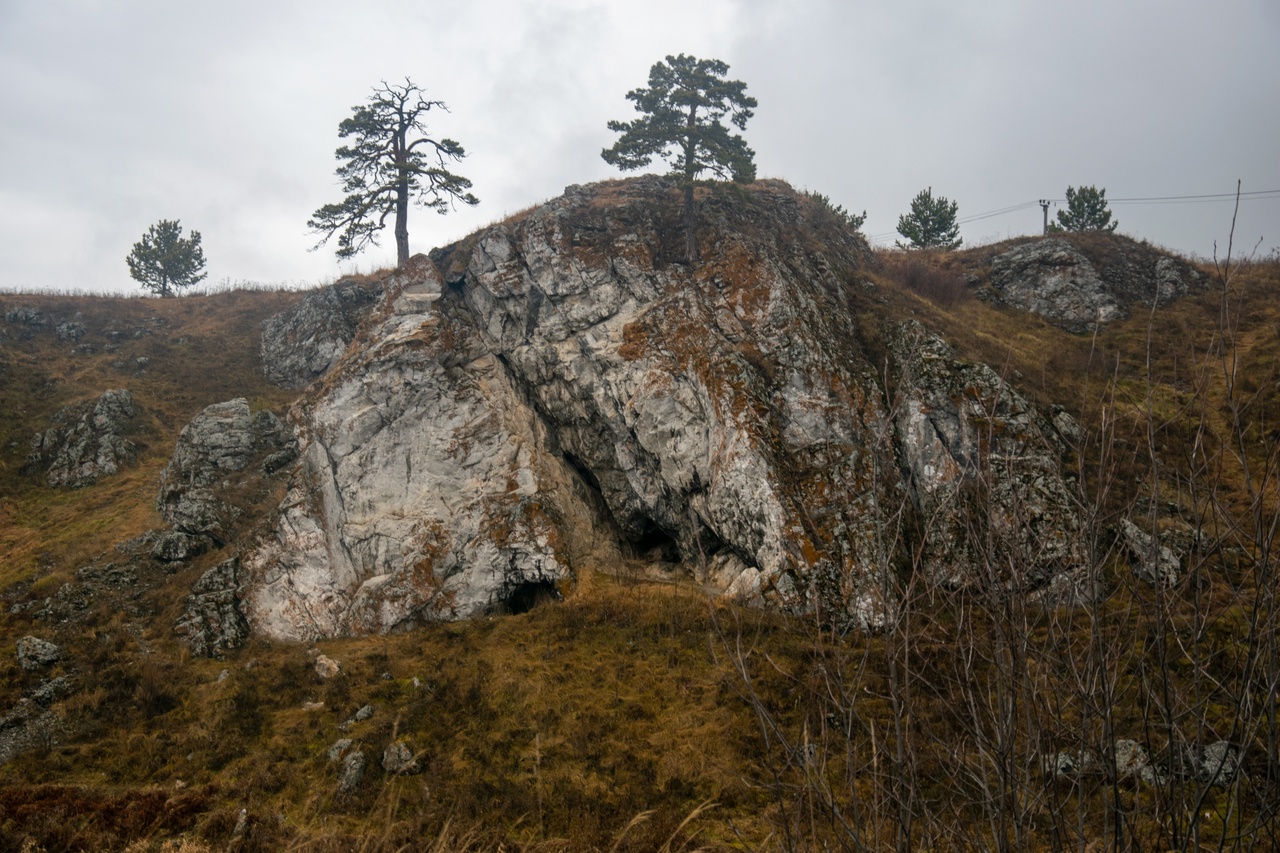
x: 219, y: 442
x: 554, y: 390
x: 398, y: 760
x: 302, y: 342
x: 978, y: 462
x: 338, y: 748
x: 70, y: 331
x: 352, y: 771
x: 212, y: 622
x: 177, y: 546
x: 1052, y: 278
x: 1216, y: 763
x: 326, y: 667
x: 87, y: 442
x: 35, y: 653
x: 1057, y: 280
x: 1152, y: 561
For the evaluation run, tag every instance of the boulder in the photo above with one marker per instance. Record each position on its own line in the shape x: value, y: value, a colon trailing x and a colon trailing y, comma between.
x: 212, y: 623
x: 302, y: 342
x: 1053, y: 279
x: 398, y: 759
x: 1080, y: 282
x: 218, y: 443
x: 1152, y: 561
x: 326, y: 667
x: 35, y: 653
x: 87, y: 442
x: 352, y: 771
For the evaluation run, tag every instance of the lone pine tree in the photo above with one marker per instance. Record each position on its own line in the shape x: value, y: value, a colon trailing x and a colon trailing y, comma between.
x: 164, y: 261
x: 682, y: 120
x: 387, y: 165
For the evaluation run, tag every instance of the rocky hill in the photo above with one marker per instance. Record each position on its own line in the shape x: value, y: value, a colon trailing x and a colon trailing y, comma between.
x: 261, y: 536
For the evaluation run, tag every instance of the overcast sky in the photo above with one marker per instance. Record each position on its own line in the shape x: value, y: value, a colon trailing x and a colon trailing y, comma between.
x: 114, y: 115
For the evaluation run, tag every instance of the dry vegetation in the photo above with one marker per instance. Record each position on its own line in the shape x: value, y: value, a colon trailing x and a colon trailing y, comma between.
x: 639, y: 716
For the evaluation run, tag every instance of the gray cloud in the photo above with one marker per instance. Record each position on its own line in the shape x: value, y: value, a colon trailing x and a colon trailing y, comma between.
x: 225, y: 115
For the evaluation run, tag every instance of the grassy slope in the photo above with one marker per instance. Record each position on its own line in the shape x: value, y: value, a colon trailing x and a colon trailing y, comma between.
x: 563, y: 723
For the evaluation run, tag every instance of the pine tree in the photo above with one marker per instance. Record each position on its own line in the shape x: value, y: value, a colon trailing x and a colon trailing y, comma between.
x: 384, y: 169
x: 1086, y: 211
x: 931, y: 224
x: 164, y: 261
x: 683, y: 109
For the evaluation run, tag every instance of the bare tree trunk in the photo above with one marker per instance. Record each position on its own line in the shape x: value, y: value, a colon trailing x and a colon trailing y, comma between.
x: 690, y: 237
x: 402, y: 223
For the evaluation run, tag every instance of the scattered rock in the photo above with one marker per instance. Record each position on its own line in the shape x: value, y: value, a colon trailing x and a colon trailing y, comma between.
x: 398, y: 759
x: 1217, y: 763
x: 352, y: 772
x: 35, y: 653
x: 1152, y: 561
x: 302, y: 342
x: 339, y: 748
x: 176, y: 546
x: 326, y: 667
x: 24, y: 316
x: 70, y: 331
x: 212, y: 622
x: 87, y: 442
x: 365, y: 712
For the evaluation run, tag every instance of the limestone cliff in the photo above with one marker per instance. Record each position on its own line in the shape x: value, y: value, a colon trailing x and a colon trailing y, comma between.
x: 558, y: 391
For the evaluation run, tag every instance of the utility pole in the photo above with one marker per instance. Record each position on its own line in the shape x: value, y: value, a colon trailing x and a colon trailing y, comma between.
x: 1044, y: 205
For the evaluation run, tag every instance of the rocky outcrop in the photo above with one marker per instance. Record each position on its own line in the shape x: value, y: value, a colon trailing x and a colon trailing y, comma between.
x: 87, y: 442
x: 1057, y: 280
x: 219, y: 442
x: 212, y: 623
x: 979, y: 466
x: 555, y: 390
x: 301, y: 343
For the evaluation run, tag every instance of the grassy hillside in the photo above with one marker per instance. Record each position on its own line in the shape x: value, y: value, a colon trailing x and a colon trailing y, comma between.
x: 640, y: 716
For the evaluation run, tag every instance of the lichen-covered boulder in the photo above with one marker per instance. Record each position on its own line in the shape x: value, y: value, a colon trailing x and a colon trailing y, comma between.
x: 218, y: 443
x: 87, y: 442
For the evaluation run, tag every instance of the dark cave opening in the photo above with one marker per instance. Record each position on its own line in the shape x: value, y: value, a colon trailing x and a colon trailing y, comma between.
x: 523, y: 597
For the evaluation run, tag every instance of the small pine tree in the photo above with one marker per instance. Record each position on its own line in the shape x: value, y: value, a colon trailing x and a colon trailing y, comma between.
x: 164, y: 261
x: 1086, y: 211
x: 931, y: 224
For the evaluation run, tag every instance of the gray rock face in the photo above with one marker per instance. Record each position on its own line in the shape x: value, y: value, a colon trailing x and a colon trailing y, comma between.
x: 1053, y: 278
x: 1152, y: 561
x: 87, y: 442
x: 35, y: 653
x: 220, y: 441
x: 561, y: 393
x: 961, y: 428
x: 212, y: 622
x: 301, y: 343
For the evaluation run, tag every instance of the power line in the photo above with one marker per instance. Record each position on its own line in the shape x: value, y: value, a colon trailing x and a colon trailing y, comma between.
x: 1207, y: 198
